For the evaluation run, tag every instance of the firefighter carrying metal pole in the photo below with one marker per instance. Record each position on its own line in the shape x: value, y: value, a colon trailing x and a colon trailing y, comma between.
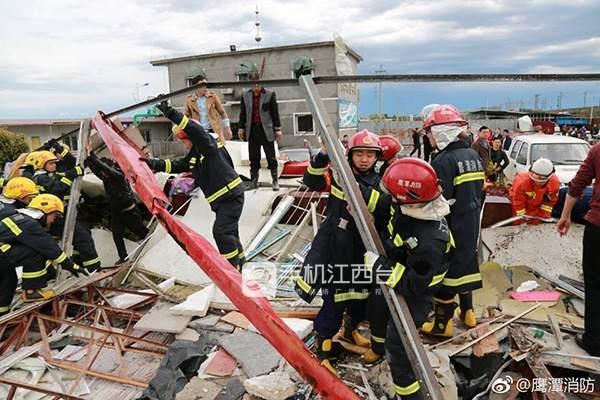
x: 399, y: 310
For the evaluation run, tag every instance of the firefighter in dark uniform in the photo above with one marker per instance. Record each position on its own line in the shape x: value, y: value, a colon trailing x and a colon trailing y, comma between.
x: 461, y: 175
x: 214, y: 174
x: 337, y: 250
x: 417, y: 259
x: 17, y: 193
x: 123, y: 209
x: 24, y: 242
x: 391, y: 148
x: 66, y: 160
x: 49, y: 180
x: 28, y: 167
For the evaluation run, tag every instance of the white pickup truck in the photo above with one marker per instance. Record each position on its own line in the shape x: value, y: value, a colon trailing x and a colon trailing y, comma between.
x: 566, y: 153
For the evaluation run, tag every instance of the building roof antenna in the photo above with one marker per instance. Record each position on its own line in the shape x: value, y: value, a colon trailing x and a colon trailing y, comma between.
x: 257, y: 38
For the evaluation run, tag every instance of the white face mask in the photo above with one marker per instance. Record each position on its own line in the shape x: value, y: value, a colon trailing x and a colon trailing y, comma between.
x: 446, y: 134
x: 432, y: 211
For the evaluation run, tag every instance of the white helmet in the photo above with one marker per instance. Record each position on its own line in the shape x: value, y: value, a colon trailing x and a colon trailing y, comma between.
x: 541, y: 167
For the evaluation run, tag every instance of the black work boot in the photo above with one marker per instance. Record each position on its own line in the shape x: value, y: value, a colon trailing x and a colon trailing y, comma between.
x: 253, y: 182
x: 467, y: 313
x: 327, y: 350
x: 275, y: 180
x: 441, y: 324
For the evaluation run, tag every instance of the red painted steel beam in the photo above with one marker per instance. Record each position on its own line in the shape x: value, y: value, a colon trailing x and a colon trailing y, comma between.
x: 258, y: 310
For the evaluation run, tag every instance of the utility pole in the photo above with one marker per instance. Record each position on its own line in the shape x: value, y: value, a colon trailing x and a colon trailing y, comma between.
x: 536, y: 101
x: 584, y: 99
x: 380, y: 71
x: 559, y: 100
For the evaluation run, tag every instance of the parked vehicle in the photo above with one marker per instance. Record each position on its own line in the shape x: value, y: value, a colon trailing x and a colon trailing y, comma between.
x: 566, y: 153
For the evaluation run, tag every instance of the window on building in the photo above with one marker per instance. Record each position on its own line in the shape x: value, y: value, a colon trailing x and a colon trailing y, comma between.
x: 35, y: 142
x: 303, y: 124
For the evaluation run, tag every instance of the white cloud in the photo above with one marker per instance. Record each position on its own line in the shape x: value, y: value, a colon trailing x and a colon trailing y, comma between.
x: 74, y: 57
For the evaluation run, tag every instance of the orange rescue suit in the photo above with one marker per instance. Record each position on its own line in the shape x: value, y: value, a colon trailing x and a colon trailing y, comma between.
x: 528, y: 198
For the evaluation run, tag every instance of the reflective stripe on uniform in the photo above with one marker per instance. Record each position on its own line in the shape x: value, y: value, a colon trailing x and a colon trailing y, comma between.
x: 4, y: 309
x: 398, y: 242
x: 463, y: 280
x: 302, y: 284
x: 91, y: 262
x: 12, y: 226
x: 184, y: 122
x: 66, y: 181
x: 469, y: 177
x: 79, y: 170
x: 377, y: 339
x: 231, y: 254
x: 451, y: 243
x: 230, y: 186
x: 36, y: 274
x: 520, y: 212
x: 340, y: 297
x: 546, y: 208
x: 373, y: 199
x: 168, y: 166
x: 5, y: 247
x: 437, y: 279
x: 337, y: 192
x: 396, y: 275
x: 192, y: 162
x: 64, y: 152
x: 315, y: 171
x: 407, y: 390
x: 531, y: 194
x: 60, y: 259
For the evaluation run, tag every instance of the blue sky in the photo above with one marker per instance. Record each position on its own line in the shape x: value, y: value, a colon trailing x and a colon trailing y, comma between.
x: 66, y: 58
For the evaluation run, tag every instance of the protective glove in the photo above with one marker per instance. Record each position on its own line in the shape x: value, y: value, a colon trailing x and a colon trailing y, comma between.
x: 73, y: 268
x: 164, y: 107
x: 49, y: 144
x: 150, y: 162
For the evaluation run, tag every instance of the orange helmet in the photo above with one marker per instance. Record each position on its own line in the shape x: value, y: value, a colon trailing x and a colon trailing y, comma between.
x: 411, y: 180
x: 391, y: 146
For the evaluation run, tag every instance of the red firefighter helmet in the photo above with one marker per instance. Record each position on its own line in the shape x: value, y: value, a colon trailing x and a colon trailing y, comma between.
x: 390, y: 145
x: 364, y: 140
x: 411, y: 180
x: 443, y: 114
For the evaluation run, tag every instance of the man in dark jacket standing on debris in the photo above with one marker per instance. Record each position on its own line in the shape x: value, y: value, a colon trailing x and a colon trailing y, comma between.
x: 260, y: 126
x: 123, y: 210
x: 588, y: 172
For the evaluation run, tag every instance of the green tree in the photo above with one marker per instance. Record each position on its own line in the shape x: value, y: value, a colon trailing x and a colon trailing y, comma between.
x: 11, y: 146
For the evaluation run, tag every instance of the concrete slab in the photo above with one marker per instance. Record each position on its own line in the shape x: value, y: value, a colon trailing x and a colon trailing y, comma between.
x: 188, y: 334
x: 253, y: 352
x: 197, y: 304
x: 538, y: 246
x: 222, y: 364
x: 275, y: 386
x: 160, y: 319
x: 302, y: 327
x: 234, y: 390
x: 205, y: 322
x: 199, y: 389
x: 105, y: 246
x: 237, y: 319
x: 164, y: 256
